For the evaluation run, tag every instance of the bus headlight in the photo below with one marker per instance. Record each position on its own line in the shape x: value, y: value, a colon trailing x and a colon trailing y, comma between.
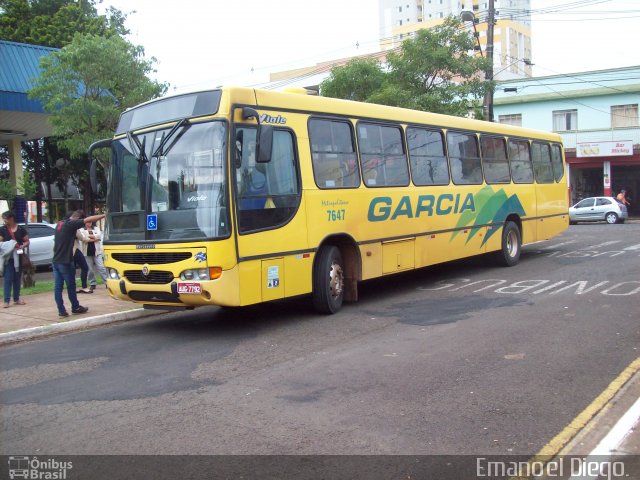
x: 210, y: 273
x: 113, y: 274
x: 195, y: 274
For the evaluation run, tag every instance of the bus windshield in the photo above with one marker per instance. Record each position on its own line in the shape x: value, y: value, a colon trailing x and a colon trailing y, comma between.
x: 174, y: 176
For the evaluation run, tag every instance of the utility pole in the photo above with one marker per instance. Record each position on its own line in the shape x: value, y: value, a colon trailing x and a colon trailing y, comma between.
x: 488, y: 96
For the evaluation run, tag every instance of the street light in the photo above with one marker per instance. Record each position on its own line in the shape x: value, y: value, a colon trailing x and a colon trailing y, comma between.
x: 469, y: 16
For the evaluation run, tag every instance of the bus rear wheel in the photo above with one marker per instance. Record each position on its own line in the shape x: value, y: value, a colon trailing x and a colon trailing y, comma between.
x: 509, y: 255
x: 328, y: 280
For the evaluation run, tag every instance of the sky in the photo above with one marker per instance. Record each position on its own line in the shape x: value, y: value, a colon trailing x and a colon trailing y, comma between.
x: 206, y: 43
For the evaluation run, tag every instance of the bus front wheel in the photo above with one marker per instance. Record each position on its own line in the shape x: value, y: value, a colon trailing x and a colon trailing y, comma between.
x: 509, y: 255
x: 328, y: 280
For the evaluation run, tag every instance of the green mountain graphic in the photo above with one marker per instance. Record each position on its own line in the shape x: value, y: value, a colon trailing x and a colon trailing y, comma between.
x: 491, y: 207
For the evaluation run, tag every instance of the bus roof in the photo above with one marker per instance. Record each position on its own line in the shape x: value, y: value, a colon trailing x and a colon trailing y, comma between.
x: 284, y: 101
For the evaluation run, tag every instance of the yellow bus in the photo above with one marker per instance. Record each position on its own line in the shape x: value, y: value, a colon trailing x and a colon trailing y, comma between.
x: 238, y: 196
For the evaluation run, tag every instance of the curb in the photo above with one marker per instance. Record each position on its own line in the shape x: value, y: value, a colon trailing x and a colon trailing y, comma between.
x: 80, y: 324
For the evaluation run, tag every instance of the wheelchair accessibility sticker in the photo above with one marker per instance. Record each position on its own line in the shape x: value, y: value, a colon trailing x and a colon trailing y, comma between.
x: 152, y: 222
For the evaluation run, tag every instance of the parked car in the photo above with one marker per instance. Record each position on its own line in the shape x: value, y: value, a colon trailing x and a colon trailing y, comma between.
x: 598, y: 209
x: 41, y: 243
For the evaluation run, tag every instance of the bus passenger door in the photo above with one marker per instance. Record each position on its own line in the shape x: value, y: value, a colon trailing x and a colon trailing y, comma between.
x: 270, y: 222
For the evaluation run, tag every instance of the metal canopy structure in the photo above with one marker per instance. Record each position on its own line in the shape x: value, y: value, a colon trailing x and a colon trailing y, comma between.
x: 20, y: 117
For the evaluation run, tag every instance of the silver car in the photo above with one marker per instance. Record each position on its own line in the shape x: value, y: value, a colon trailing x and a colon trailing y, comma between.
x: 41, y: 243
x: 598, y: 209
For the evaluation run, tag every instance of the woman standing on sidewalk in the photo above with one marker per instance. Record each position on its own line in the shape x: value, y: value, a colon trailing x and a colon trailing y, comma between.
x: 91, y: 241
x: 12, y: 272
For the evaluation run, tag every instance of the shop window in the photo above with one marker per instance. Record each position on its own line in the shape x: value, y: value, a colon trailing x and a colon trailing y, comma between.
x: 565, y: 120
x: 624, y: 116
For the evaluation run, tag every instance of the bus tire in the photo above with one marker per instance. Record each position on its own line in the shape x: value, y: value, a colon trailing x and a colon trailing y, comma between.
x: 328, y: 280
x: 509, y: 255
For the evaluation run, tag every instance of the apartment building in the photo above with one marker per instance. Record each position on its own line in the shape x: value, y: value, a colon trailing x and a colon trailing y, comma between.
x: 512, y: 32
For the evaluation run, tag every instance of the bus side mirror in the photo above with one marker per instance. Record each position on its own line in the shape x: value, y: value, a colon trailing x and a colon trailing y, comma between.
x: 265, y: 143
x: 93, y: 176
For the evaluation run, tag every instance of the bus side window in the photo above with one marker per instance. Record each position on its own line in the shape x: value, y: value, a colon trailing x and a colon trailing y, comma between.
x: 382, y: 154
x: 464, y: 157
x: 494, y: 159
x: 268, y: 193
x: 333, y: 154
x: 542, y: 168
x: 556, y: 162
x: 520, y: 160
x: 428, y: 160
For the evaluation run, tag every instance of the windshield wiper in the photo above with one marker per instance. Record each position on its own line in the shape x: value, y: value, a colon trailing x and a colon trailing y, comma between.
x: 183, y: 125
x: 135, y: 144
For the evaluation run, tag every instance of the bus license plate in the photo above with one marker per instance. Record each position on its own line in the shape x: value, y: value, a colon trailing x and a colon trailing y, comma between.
x: 189, y: 288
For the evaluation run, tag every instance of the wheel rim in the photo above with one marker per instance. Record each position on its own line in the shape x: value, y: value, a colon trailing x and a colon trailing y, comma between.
x: 336, y: 280
x: 611, y: 218
x: 512, y: 243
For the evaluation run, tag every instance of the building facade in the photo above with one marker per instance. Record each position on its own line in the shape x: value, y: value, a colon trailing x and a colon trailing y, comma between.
x: 512, y: 32
x: 597, y: 115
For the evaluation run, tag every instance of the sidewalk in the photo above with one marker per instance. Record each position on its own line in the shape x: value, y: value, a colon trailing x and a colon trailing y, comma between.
x: 40, y: 315
x: 613, y: 434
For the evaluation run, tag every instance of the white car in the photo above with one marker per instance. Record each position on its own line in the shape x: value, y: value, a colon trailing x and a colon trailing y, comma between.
x: 40, y: 243
x: 598, y: 209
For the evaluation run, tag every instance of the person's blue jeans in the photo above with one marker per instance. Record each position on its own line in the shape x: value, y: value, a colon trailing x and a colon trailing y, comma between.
x: 81, y: 262
x: 65, y: 273
x: 12, y: 279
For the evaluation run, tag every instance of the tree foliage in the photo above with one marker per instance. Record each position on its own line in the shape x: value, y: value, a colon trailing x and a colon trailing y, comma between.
x: 436, y: 71
x: 357, y: 80
x: 88, y: 83
x: 53, y: 23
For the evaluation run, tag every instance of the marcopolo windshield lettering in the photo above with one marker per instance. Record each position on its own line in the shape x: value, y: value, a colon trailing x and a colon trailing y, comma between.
x: 384, y: 208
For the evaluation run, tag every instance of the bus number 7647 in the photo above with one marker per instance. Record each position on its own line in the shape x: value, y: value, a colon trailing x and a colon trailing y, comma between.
x: 335, y: 215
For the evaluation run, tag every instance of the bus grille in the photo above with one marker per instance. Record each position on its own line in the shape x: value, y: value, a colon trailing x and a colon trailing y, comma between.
x: 154, y: 296
x: 151, y: 258
x: 157, y: 277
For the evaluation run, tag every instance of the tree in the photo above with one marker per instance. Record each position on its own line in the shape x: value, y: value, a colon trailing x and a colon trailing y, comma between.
x: 434, y: 71
x: 357, y: 80
x: 88, y: 83
x: 85, y: 86
x: 53, y: 23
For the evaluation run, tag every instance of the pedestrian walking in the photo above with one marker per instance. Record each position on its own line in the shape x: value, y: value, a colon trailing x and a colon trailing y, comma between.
x: 12, y: 266
x: 622, y: 198
x: 63, y: 263
x: 91, y: 241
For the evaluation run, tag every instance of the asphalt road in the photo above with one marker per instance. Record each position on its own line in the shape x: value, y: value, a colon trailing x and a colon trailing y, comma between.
x: 464, y: 358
